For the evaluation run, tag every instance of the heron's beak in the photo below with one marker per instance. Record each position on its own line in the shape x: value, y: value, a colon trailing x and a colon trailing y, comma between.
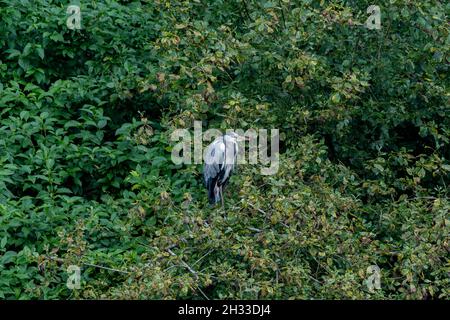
x: 243, y: 138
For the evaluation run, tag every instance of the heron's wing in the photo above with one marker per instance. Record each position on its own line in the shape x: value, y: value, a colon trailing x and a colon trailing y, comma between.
x: 220, y: 160
x: 214, y: 160
x: 213, y: 169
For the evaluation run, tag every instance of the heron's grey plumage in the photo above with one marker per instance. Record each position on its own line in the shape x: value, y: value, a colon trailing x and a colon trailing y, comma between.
x: 220, y: 161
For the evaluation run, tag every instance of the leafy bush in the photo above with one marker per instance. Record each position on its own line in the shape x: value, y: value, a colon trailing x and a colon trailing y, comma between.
x: 86, y: 177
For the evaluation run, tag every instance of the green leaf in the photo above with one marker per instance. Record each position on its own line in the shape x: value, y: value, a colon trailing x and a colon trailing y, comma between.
x: 13, y: 53
x: 336, y: 98
x: 7, y: 257
x: 40, y: 52
x: 57, y: 37
x: 3, y: 242
x: 24, y: 64
x: 27, y: 50
x: 101, y: 124
x: 24, y: 115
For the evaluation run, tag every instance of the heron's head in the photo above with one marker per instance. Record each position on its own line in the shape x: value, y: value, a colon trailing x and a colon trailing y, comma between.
x: 237, y: 137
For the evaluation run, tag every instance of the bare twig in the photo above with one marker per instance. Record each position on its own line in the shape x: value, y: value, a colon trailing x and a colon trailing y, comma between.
x: 105, y: 268
x: 202, y: 257
x: 203, y: 294
x: 254, y: 229
x: 184, y: 264
x: 260, y: 210
x: 88, y: 264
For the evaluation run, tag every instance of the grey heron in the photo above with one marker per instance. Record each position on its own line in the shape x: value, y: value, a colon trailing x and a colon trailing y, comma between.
x: 220, y: 161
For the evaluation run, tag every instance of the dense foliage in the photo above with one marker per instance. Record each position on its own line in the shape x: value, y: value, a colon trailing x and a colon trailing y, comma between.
x: 86, y: 176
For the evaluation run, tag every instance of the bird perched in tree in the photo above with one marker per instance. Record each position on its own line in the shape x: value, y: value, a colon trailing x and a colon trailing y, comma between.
x: 220, y: 161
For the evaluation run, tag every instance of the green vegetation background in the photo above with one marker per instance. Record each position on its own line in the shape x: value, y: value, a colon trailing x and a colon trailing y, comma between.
x: 85, y: 171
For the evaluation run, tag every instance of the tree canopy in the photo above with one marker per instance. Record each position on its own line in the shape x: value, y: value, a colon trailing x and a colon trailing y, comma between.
x: 86, y: 176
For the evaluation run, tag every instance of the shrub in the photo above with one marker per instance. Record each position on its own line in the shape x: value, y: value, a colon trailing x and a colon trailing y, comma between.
x: 86, y: 177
